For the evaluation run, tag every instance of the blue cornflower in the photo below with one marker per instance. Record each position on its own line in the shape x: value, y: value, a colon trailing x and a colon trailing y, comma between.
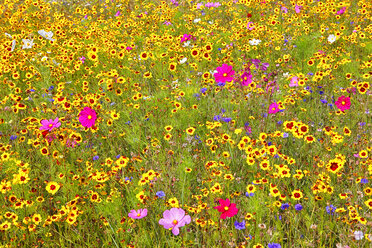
x: 274, y: 245
x: 323, y: 100
x: 364, y: 180
x: 217, y: 118
x: 223, y: 110
x: 298, y: 207
x: 321, y: 92
x: 285, y: 135
x: 160, y: 194
x: 239, y: 225
x: 330, y: 209
x: 226, y: 119
x: 13, y: 137
x: 249, y: 194
x: 203, y: 90
x: 284, y: 206
x: 96, y: 157
x: 51, y: 87
x: 118, y: 156
x: 221, y: 84
x: 32, y: 90
x: 280, y: 122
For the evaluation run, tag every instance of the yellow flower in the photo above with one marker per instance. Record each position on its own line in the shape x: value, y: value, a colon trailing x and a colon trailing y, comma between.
x: 52, y: 187
x: 173, y: 202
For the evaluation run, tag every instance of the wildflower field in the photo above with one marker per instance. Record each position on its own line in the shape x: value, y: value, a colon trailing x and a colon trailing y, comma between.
x: 177, y: 123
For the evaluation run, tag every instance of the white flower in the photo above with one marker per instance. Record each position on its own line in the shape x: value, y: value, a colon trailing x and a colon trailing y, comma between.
x: 183, y: 60
x: 210, y: 22
x: 27, y: 43
x: 254, y: 42
x: 186, y: 43
x: 13, y: 45
x: 358, y: 235
x: 8, y: 35
x: 46, y: 35
x: 44, y: 58
x: 286, y: 74
x: 331, y: 38
x: 197, y: 20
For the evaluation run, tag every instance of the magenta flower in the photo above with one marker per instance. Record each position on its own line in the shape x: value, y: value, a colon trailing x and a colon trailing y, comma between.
x: 49, y: 125
x: 224, y: 74
x: 247, y: 78
x: 174, y: 219
x: 186, y: 37
x: 87, y: 117
x: 139, y: 214
x: 227, y: 208
x: 343, y: 103
x: 273, y: 108
x: 294, y: 82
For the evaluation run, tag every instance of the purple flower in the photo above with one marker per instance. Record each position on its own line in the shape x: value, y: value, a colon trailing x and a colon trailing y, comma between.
x: 256, y: 62
x: 298, y: 207
x: 264, y: 66
x: 137, y: 214
x: 274, y: 245
x: 226, y: 119
x: 284, y: 206
x: 160, y: 194
x: 95, y: 157
x: 239, y: 225
x: 364, y: 180
x: 247, y: 78
x: 117, y: 13
x: 217, y: 118
x: 203, y: 90
x: 49, y: 125
x: 174, y: 219
x: 13, y: 137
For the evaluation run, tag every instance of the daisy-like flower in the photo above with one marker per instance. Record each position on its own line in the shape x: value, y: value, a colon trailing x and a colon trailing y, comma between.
x: 49, y: 125
x: 46, y: 35
x: 273, y: 108
x: 254, y: 42
x: 224, y: 74
x: 174, y: 219
x: 247, y: 78
x: 331, y: 38
x: 226, y: 208
x: 52, y: 187
x: 138, y: 214
x: 27, y: 43
x: 343, y: 103
x: 87, y: 117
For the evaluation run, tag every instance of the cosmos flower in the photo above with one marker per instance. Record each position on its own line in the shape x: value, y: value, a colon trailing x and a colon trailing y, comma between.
x: 226, y: 208
x: 224, y: 74
x: 331, y: 38
x: 247, y: 78
x: 343, y: 103
x: 49, y: 125
x: 273, y: 108
x: 27, y: 43
x: 174, y: 219
x: 46, y: 35
x: 254, y: 42
x: 87, y: 117
x: 137, y: 214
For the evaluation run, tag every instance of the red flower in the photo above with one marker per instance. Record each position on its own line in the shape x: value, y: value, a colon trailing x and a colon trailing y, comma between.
x: 226, y: 208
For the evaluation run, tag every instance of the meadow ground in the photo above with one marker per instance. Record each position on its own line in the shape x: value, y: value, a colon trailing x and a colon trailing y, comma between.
x: 240, y: 123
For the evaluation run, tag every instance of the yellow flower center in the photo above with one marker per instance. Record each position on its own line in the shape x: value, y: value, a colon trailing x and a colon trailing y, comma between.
x: 175, y: 222
x: 50, y: 125
x: 89, y: 117
x: 343, y: 102
x: 226, y: 208
x: 138, y: 215
x: 225, y: 74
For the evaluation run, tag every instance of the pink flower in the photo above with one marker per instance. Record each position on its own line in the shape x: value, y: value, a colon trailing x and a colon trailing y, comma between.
x: 294, y: 82
x: 224, y: 74
x: 226, y: 208
x: 247, y: 78
x: 249, y: 26
x: 139, y: 214
x: 174, y: 219
x: 273, y: 108
x: 298, y: 8
x: 117, y: 13
x: 343, y: 103
x: 87, y: 117
x: 49, y: 125
x: 341, y: 11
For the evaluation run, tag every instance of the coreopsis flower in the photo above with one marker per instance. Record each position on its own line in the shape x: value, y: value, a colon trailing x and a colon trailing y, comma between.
x: 174, y: 219
x: 49, y: 125
x: 52, y: 187
x: 226, y: 208
x: 87, y: 117
x: 138, y: 214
